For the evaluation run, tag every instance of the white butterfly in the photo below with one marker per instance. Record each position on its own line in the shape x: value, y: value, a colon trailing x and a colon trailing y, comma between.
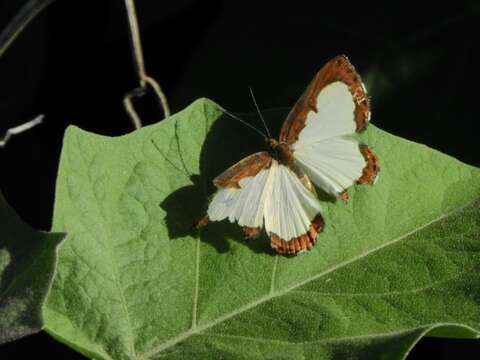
x: 274, y: 189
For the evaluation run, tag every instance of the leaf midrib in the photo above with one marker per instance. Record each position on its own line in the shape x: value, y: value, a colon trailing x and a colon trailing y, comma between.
x: 274, y: 294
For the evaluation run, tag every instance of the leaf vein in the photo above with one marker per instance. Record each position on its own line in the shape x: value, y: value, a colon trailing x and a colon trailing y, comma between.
x: 175, y: 340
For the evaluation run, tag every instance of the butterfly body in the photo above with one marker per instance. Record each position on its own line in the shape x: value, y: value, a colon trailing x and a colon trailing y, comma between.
x: 281, y: 152
x: 274, y: 189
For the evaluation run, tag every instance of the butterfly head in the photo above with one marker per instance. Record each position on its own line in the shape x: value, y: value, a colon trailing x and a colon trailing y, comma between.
x: 281, y: 152
x: 272, y: 143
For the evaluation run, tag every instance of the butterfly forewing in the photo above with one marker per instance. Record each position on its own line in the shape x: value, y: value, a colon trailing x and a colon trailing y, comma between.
x: 338, y: 96
x: 318, y: 129
x: 241, y: 191
x: 247, y: 167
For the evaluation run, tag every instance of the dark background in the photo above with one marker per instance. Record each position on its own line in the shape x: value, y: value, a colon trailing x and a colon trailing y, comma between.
x: 73, y: 63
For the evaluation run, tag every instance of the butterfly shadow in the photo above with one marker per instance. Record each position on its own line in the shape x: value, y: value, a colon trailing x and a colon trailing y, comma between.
x: 226, y: 142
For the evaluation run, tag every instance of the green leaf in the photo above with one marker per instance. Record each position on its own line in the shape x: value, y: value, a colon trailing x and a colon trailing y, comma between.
x: 398, y: 261
x: 27, y: 265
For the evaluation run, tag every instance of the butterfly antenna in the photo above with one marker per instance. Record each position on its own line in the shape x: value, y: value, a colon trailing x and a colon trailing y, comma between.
x: 244, y: 122
x: 260, y: 113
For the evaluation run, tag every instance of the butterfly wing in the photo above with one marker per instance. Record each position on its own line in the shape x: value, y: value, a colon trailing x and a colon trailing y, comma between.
x: 259, y: 191
x: 343, y: 95
x: 291, y: 211
x: 318, y: 129
x: 241, y: 191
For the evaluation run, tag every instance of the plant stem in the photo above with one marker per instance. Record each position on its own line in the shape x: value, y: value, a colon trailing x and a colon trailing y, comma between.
x: 20, y: 129
x: 20, y: 21
x: 143, y: 79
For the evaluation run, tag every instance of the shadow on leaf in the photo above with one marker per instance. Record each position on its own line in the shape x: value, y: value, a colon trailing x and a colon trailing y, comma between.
x: 227, y: 142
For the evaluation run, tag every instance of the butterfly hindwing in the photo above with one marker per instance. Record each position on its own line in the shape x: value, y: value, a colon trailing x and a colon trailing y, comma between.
x: 333, y: 164
x: 292, y: 212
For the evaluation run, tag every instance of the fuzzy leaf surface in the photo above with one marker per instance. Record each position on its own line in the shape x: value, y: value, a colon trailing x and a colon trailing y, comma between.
x: 398, y: 261
x: 27, y: 265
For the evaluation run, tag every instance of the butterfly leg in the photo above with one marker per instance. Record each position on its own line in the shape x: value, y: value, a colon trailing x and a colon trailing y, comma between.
x: 344, y: 195
x: 250, y: 232
x: 204, y: 221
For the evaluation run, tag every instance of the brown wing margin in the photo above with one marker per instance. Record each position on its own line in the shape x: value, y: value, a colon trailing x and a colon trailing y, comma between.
x: 337, y: 69
x: 370, y: 171
x: 301, y: 243
x: 372, y: 167
x: 249, y: 166
x: 230, y: 178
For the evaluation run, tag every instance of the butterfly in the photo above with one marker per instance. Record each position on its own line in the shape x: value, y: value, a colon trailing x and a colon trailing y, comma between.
x: 274, y: 189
